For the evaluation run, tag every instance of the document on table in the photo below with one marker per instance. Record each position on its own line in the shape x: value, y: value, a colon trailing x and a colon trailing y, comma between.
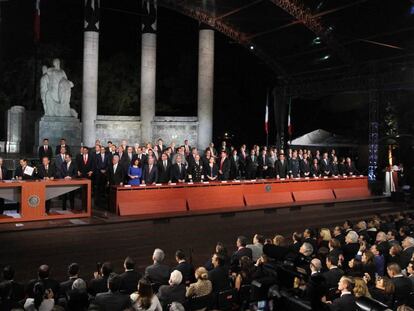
x: 28, y: 170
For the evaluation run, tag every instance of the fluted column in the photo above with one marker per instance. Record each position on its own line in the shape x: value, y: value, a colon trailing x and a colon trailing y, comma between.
x: 205, y: 86
x: 148, y: 67
x: 90, y: 72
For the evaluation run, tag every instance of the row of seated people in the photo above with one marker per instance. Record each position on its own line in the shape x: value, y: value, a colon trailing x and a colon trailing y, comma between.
x: 327, y: 269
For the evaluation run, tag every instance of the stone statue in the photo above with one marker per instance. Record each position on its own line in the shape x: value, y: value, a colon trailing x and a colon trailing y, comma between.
x: 55, y: 91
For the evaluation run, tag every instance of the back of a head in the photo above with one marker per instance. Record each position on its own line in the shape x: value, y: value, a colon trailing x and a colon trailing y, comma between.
x: 242, y: 240
x: 79, y: 284
x: 73, y: 269
x: 38, y: 294
x: 158, y: 255
x: 106, y: 269
x: 129, y: 263
x: 8, y: 272
x: 176, y: 278
x: 176, y: 306
x: 114, y: 282
x: 43, y: 271
x: 201, y: 273
x: 180, y: 255
x: 145, y: 294
x: 394, y: 268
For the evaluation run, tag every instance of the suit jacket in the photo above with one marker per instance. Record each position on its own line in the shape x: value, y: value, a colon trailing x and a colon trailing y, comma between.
x: 234, y: 166
x: 158, y: 273
x: 403, y: 288
x: 117, y: 177
x: 83, y: 167
x: 405, y: 257
x: 99, y: 285
x: 225, y: 168
x: 187, y: 270
x: 177, y: 174
x: 251, y: 166
x: 332, y: 277
x: 305, y: 168
x: 150, y: 177
x: 282, y: 169
x: 4, y: 173
x: 196, y: 171
x: 58, y: 162
x: 20, y: 173
x: 129, y: 281
x: 65, y: 172
x: 42, y: 173
x: 325, y: 166
x: 211, y: 171
x: 102, y: 164
x: 350, y: 250
x: 57, y: 149
x: 219, y: 278
x: 237, y: 255
x: 343, y: 303
x: 315, y: 171
x: 143, y: 159
x: 294, y: 167
x: 45, y: 153
x: 12, y: 290
x: 66, y: 286
x: 350, y: 169
x: 47, y: 283
x: 110, y: 301
x: 164, y: 173
x: 171, y: 293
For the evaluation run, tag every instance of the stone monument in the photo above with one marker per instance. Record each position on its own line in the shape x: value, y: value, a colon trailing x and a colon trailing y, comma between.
x: 15, y: 119
x: 59, y: 120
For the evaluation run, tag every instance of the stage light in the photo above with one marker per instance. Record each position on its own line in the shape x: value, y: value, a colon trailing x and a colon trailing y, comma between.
x: 251, y: 47
x: 316, y: 41
x: 412, y: 10
x: 326, y: 57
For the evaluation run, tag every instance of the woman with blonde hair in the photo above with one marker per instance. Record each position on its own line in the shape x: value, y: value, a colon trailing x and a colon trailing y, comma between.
x: 203, y: 285
x: 324, y: 237
x: 360, y: 288
x: 279, y: 240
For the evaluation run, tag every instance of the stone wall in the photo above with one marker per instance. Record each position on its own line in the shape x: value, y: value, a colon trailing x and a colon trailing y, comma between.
x: 175, y: 129
x: 117, y: 128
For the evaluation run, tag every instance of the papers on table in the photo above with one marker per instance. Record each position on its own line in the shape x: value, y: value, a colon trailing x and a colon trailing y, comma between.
x: 142, y: 185
x: 29, y: 170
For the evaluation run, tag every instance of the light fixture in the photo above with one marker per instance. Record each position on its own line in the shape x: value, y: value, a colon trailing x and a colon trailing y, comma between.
x: 251, y: 47
x: 316, y: 41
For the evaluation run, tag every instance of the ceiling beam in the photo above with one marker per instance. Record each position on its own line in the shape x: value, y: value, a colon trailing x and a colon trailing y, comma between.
x: 238, y: 9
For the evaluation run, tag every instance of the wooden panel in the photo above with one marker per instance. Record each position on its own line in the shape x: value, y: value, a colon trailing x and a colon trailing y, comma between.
x: 349, y: 193
x: 313, y: 195
x: 215, y: 197
x: 271, y: 199
x: 149, y: 207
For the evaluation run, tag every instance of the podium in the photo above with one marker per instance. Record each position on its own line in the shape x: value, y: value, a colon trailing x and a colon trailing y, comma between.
x: 32, y: 197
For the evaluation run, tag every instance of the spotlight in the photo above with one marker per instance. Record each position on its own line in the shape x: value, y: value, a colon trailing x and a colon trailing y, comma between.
x: 316, y: 41
x: 325, y: 57
x: 251, y: 47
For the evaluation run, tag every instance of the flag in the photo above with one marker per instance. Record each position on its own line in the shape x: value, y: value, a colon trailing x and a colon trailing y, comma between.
x: 290, y: 128
x: 267, y: 115
x: 36, y: 25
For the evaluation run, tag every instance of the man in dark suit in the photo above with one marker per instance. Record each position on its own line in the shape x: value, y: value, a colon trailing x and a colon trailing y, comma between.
x: 403, y: 285
x: 282, y: 167
x: 20, y: 171
x: 241, y: 251
x: 262, y: 162
x: 116, y: 173
x: 251, y: 165
x: 407, y: 253
x: 59, y: 160
x: 130, y: 278
x: 44, y: 278
x: 45, y: 150
x: 99, y: 284
x: 219, y: 276
x: 196, y: 170
x: 174, y: 292
x: 113, y: 299
x: 85, y: 164
x: 347, y: 300
x: 3, y: 176
x: 325, y: 165
x: 164, y: 169
x: 46, y: 171
x: 224, y: 166
x: 305, y: 166
x: 66, y: 286
x: 315, y: 170
x: 178, y: 170
x: 101, y: 174
x: 160, y: 145
x: 11, y: 292
x: 150, y: 172
x: 158, y: 273
x: 294, y: 165
x: 242, y: 161
x: 186, y: 268
x: 141, y: 156
x: 68, y: 171
x: 234, y: 165
x: 334, y: 274
x: 62, y: 145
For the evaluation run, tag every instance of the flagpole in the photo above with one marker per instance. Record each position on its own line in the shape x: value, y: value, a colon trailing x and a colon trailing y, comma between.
x: 267, y: 118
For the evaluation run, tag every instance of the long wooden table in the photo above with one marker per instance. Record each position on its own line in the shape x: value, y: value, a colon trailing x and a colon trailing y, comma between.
x: 199, y: 198
x: 32, y: 196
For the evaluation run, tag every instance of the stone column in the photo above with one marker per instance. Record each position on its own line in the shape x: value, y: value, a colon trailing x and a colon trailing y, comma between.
x: 15, y: 119
x: 148, y: 67
x: 90, y: 72
x: 205, y: 86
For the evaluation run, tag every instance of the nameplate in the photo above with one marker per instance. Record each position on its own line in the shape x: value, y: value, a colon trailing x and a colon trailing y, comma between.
x: 325, y: 176
x: 253, y: 180
x: 173, y: 183
x: 316, y: 177
x: 336, y: 176
x: 353, y: 176
x: 306, y: 177
x: 361, y: 175
x: 236, y: 180
x: 190, y: 183
x: 127, y: 186
x: 158, y: 184
x: 297, y: 178
x: 224, y: 181
x: 205, y: 182
x: 282, y: 178
x: 142, y: 185
x: 345, y: 176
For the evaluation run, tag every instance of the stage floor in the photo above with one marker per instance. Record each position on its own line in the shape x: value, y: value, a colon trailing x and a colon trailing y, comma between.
x: 110, y: 237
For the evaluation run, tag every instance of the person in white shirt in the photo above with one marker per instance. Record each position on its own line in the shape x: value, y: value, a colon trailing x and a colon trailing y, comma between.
x: 42, y: 301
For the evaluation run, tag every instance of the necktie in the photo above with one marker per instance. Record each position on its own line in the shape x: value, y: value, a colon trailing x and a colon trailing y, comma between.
x: 165, y: 164
x: 1, y: 173
x: 221, y: 164
x: 63, y: 157
x: 179, y: 168
x: 45, y: 148
x: 103, y: 158
x: 115, y: 166
x: 84, y: 159
x: 67, y: 166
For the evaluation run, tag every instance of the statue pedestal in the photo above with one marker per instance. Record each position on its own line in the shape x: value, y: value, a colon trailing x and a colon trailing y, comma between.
x: 55, y: 128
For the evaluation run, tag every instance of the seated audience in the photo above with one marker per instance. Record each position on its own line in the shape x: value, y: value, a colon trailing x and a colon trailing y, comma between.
x: 158, y: 273
x: 202, y: 286
x: 11, y: 292
x: 113, y: 299
x: 99, y: 284
x: 42, y: 299
x: 77, y: 299
x: 175, y: 291
x: 144, y: 299
x: 130, y: 277
x: 186, y: 268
